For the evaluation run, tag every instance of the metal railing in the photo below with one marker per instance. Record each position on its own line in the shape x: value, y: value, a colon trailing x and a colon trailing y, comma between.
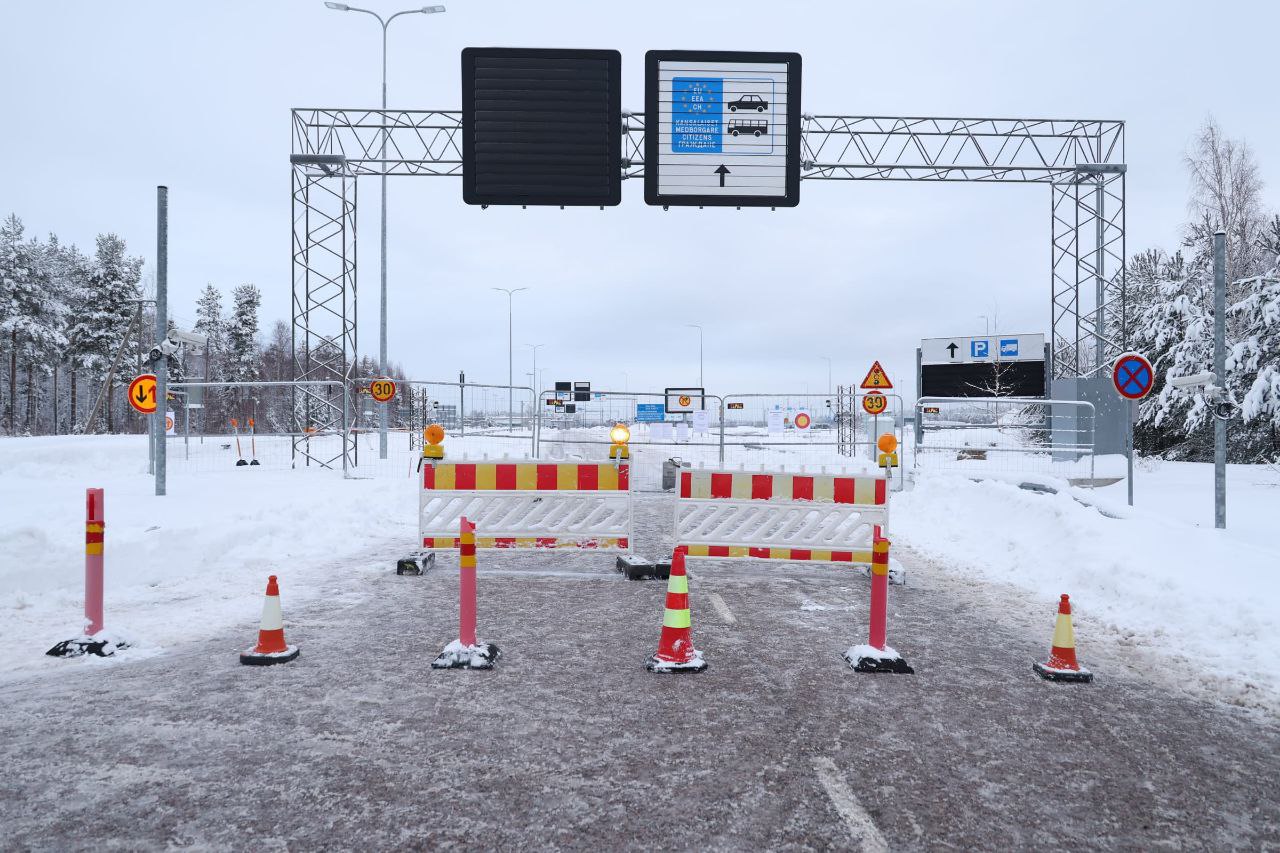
x: 1003, y: 436
x: 760, y: 430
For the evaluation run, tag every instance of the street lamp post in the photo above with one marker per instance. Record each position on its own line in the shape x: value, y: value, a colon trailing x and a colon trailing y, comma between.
x: 827, y: 359
x: 699, y: 328
x: 382, y: 156
x: 511, y: 418
x: 533, y: 376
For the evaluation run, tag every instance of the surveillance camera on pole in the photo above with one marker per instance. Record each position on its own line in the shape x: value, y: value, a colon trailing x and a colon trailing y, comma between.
x: 1195, y: 380
x: 191, y: 339
x: 1220, y: 403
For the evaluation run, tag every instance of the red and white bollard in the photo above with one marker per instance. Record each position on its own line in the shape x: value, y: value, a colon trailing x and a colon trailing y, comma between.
x: 94, y: 538
x: 877, y: 655
x: 467, y: 652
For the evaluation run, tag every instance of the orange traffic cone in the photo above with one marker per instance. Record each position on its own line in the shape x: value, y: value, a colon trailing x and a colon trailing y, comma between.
x: 271, y: 646
x: 1062, y: 665
x: 675, y: 648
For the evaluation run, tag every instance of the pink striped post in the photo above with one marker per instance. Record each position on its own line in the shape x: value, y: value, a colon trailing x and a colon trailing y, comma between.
x: 93, y: 538
x: 879, y: 591
x: 467, y: 583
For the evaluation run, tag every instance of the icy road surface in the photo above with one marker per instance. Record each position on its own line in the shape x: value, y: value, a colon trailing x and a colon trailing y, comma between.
x: 570, y: 743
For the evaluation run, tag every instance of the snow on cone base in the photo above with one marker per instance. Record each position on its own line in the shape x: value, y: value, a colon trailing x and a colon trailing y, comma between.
x: 675, y: 646
x: 271, y: 647
x: 1049, y: 673
x: 103, y: 647
x: 457, y: 656
x: 870, y: 659
x: 695, y: 663
x: 253, y: 657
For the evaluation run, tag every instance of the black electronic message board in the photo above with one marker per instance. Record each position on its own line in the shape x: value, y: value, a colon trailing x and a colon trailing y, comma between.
x: 541, y: 127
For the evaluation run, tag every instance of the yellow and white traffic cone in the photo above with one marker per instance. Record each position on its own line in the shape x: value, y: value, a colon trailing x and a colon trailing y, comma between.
x: 1062, y: 664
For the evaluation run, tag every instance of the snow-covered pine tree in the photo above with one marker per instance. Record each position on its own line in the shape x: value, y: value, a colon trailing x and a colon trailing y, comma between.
x: 104, y: 315
x: 1172, y: 311
x: 45, y: 333
x: 70, y: 274
x: 14, y: 270
x: 211, y: 324
x: 32, y: 318
x: 1255, y: 356
x: 1174, y: 327
x: 277, y: 366
x: 244, y: 354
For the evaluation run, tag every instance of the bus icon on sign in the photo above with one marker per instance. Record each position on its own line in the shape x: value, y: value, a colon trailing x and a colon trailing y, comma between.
x: 980, y: 349
x: 1009, y: 347
x: 755, y: 127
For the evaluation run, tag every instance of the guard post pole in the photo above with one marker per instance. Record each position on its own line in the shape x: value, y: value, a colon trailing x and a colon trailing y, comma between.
x: 879, y: 592
x: 1220, y: 370
x: 467, y: 583
x: 93, y: 536
x: 162, y: 331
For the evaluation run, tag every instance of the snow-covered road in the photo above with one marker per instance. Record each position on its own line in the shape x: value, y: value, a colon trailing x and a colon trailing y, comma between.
x: 571, y: 743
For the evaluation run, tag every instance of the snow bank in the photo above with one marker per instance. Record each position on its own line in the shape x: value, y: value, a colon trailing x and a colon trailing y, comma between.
x: 1211, y: 597
x: 182, y: 566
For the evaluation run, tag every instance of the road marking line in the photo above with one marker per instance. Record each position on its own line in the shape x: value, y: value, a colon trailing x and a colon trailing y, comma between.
x: 723, y: 609
x: 859, y: 823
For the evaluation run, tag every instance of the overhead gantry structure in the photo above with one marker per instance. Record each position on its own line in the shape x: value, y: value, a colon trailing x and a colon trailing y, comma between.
x: 1081, y: 161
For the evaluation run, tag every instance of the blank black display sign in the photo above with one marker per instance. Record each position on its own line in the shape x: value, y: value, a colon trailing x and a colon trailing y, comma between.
x: 541, y: 126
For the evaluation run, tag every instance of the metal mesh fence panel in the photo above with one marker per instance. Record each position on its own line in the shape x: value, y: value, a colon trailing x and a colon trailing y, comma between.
x: 999, y: 437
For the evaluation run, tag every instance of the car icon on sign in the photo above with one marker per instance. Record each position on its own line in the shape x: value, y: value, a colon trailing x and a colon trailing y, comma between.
x: 749, y: 102
x: 754, y: 127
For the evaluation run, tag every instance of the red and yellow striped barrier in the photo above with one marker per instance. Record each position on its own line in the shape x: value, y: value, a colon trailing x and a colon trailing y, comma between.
x: 861, y: 557
x: 528, y: 504
x: 526, y: 477
x: 820, y: 488
x: 526, y: 542
x: 777, y: 515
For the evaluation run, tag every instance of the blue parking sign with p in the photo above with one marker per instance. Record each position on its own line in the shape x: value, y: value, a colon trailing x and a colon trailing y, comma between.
x: 980, y: 349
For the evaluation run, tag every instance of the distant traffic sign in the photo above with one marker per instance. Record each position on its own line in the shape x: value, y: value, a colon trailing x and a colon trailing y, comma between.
x: 874, y: 403
x: 382, y: 390
x: 725, y: 128
x: 876, y: 378
x: 964, y: 366
x: 650, y: 412
x: 684, y: 400
x: 1133, y: 376
x: 736, y: 405
x: 802, y: 420
x: 965, y: 350
x: 142, y: 393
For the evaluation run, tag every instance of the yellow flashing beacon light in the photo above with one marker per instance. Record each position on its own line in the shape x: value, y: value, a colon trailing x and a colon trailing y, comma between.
x: 432, y: 436
x: 888, y: 445
x: 619, y: 435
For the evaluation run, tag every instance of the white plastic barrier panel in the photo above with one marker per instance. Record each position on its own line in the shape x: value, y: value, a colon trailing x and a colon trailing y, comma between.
x: 780, y: 516
x: 527, y: 504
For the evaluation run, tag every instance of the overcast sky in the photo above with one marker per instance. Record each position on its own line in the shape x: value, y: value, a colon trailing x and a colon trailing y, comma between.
x: 103, y: 101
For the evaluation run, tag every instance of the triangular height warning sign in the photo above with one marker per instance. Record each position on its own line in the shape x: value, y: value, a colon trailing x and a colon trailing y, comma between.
x: 876, y: 378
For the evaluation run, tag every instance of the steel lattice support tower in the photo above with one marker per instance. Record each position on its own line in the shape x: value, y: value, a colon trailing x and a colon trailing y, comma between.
x: 324, y: 313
